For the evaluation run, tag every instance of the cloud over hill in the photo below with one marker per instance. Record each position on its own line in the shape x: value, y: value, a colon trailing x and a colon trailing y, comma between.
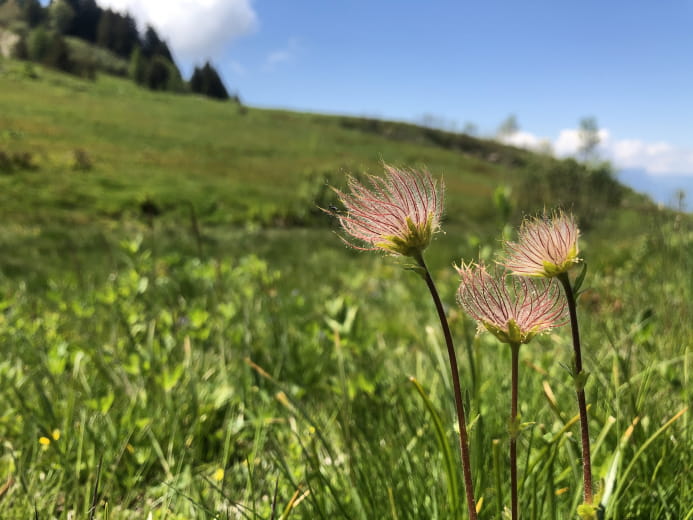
x: 656, y: 158
x: 194, y: 29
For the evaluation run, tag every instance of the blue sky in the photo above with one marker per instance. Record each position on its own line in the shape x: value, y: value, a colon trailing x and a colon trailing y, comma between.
x: 629, y: 64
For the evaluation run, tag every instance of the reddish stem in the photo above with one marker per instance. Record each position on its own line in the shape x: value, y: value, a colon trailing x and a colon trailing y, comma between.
x: 514, y: 430
x: 464, y: 441
x: 582, y: 405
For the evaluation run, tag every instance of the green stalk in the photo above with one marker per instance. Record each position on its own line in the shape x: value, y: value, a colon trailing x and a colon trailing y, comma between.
x: 464, y: 440
x: 579, y: 378
x: 497, y: 474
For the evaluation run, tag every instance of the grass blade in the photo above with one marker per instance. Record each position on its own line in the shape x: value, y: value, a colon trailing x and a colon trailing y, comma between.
x: 444, y: 448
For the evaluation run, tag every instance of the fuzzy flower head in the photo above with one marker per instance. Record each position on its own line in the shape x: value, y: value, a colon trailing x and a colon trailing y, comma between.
x: 512, y: 309
x: 398, y: 213
x: 546, y: 246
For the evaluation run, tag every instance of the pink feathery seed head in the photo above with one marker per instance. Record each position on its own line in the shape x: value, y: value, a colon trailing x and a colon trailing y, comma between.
x: 546, y: 246
x: 398, y: 213
x: 512, y: 309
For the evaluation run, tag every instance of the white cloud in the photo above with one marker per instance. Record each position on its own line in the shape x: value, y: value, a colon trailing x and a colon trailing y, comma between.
x: 656, y: 158
x: 282, y: 55
x: 568, y: 141
x: 194, y: 29
x: 521, y: 139
x: 530, y: 141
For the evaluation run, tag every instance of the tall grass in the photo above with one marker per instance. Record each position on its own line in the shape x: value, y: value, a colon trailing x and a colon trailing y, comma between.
x: 237, y: 362
x: 218, y: 388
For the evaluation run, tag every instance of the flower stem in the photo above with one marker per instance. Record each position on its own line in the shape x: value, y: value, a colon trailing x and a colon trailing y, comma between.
x: 464, y: 441
x: 514, y: 427
x: 579, y: 378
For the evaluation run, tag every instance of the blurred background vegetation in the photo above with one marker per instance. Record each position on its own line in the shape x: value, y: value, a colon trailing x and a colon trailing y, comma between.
x: 185, y: 336
x: 81, y: 38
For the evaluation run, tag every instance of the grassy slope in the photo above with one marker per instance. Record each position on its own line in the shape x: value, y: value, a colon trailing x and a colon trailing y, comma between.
x: 146, y: 367
x: 266, y: 167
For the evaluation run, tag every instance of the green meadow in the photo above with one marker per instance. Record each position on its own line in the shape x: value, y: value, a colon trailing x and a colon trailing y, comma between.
x: 184, y: 335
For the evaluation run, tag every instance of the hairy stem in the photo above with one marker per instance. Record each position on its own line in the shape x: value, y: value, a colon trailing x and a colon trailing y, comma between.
x: 514, y: 430
x: 582, y: 405
x: 462, y: 422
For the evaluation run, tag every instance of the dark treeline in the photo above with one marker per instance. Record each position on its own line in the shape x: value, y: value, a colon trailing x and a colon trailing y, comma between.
x: 43, y: 30
x: 206, y: 81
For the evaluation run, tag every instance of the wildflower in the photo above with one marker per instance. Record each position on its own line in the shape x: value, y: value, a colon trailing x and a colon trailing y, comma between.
x: 46, y: 441
x: 398, y: 214
x: 546, y: 247
x: 513, y: 310
x: 219, y: 475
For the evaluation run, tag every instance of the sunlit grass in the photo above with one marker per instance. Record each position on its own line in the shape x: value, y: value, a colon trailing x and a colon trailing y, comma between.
x: 259, y: 368
x: 204, y: 386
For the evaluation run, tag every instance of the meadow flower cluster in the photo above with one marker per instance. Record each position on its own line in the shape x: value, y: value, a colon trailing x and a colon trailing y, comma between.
x: 515, y: 300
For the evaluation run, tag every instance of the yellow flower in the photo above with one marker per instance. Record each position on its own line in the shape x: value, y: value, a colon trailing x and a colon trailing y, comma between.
x: 46, y: 441
x: 218, y: 475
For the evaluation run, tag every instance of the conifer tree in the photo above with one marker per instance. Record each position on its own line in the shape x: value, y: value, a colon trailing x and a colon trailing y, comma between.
x: 104, y: 31
x: 206, y: 81
x: 138, y: 66
x: 60, y: 16
x: 58, y: 55
x: 86, y: 20
x: 157, y: 74
x: 152, y: 45
x: 38, y: 44
x: 125, y: 35
x: 33, y: 12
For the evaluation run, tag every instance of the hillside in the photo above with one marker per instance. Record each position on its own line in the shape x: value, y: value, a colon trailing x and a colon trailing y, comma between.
x: 184, y: 335
x: 105, y: 159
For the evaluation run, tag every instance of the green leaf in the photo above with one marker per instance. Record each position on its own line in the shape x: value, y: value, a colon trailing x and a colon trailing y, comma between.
x: 416, y: 269
x: 587, y: 512
x: 579, y: 279
x: 580, y: 380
